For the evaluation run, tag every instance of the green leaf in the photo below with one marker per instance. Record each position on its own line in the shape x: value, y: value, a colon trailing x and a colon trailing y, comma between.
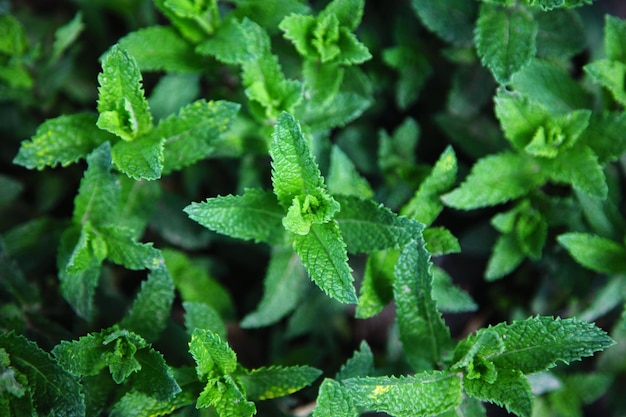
x: 269, y: 13
x: 151, y: 308
x: 277, y: 381
x: 609, y: 74
x: 423, y: 394
x: 511, y: 390
x: 561, y: 33
x: 297, y: 28
x: 120, y: 349
x: 15, y: 41
x: 283, y: 284
x: 334, y: 400
x: 194, y: 20
x: 580, y: 168
x: 138, y: 404
x: 614, y: 37
x: 505, y: 39
x: 173, y: 92
x: 213, y: 356
x: 506, y: 256
x: 66, y: 35
x: 160, y: 48
x: 367, y: 226
x: 376, y: 289
x: 323, y: 254
x: 361, y: 364
x: 155, y: 377
x: 51, y: 391
x: 604, y: 135
x: 426, y: 205
x: 396, y: 153
x: 595, y: 252
x: 413, y: 68
x: 63, y: 140
x: 452, y: 20
x: 423, y: 333
x: 348, y: 12
x: 294, y: 171
x: 123, y: 109
x: 344, y: 179
x: 199, y: 315
x: 449, y: 297
x: 227, y: 398
x: 552, y: 4
x: 193, y: 134
x: 237, y: 42
x: 123, y: 249
x: 254, y: 215
x: 342, y: 109
x: 141, y: 158
x: 440, y: 241
x: 496, y: 179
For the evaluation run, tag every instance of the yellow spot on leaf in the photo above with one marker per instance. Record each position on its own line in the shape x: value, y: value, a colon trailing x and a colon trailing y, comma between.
x: 379, y: 390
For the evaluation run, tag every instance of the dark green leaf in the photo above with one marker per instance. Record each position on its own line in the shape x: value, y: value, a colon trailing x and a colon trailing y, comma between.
x: 361, y: 364
x: 277, y: 381
x: 453, y: 20
x: 200, y: 315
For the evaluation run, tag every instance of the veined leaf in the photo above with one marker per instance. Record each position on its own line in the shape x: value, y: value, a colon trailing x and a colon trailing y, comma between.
x: 506, y: 256
x: 123, y: 109
x: 614, y: 37
x: 449, y: 297
x: 237, y: 42
x: 511, y: 389
x: 348, y: 12
x: 323, y: 254
x: 579, y: 167
x: 452, y: 20
x: 160, y: 48
x: 283, y: 284
x: 123, y: 249
x: 361, y: 364
x: 138, y: 404
x: 191, y: 134
x: 423, y: 333
x: 420, y: 395
x: 277, y: 381
x: 254, y: 215
x: 552, y: 4
x: 194, y: 20
x: 367, y: 226
x: 496, y: 179
x: 213, y: 356
x: 151, y: 308
x: 561, y: 33
x: 376, y: 289
x: 141, y: 158
x: 342, y: 109
x: 63, y: 140
x: 609, y: 74
x: 51, y: 391
x: 440, y: 241
x: 334, y: 400
x: 505, y: 39
x: 199, y: 315
x: 155, y: 377
x: 595, y: 252
x: 227, y: 397
x: 343, y: 177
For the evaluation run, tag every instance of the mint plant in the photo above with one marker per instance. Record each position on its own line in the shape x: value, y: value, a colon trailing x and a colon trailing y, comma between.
x: 212, y: 222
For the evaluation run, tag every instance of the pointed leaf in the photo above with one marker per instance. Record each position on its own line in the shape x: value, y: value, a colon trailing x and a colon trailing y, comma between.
x: 284, y: 283
x: 609, y: 74
x: 511, y: 390
x: 227, y: 398
x: 138, y: 404
x: 254, y: 215
x: 580, y: 168
x: 505, y: 39
x: 277, y: 381
x: 506, y: 256
x: 123, y: 249
x: 237, y: 42
x: 323, y: 254
x: 200, y: 315
x: 343, y: 178
x: 63, y: 140
x: 440, y: 241
x: 376, y: 288
x: 452, y: 21
x: 361, y: 364
x: 155, y: 377
x: 595, y: 252
x: 423, y: 333
x: 367, y: 226
x: 213, y: 356
x: 496, y: 179
x: 141, y: 158
x: 552, y: 4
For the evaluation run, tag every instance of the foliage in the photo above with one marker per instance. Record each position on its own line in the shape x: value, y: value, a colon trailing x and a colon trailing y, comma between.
x: 207, y: 204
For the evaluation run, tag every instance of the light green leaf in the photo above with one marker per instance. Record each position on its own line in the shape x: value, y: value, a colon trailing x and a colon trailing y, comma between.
x: 367, y: 226
x: 318, y: 207
x: 123, y: 109
x: 193, y: 133
x: 297, y: 28
x: 194, y: 20
x: 376, y: 289
x: 595, y: 252
x: 423, y: 333
x: 426, y: 205
x: 342, y: 109
x: 506, y: 256
x: 138, y: 404
x: 294, y: 171
x: 323, y: 254
x: 361, y: 364
x: 284, y: 283
x: 141, y: 158
x: 344, y: 179
x: 321, y: 81
x: 269, y: 13
x: 420, y: 395
x: 348, y: 12
x: 440, y: 241
x: 199, y: 315
x: 552, y: 4
x: 160, y: 48
x: 604, y: 135
x: 15, y: 41
x: 213, y: 356
x: 123, y: 249
x: 63, y: 140
x: 609, y: 74
x: 66, y: 35
x: 614, y: 37
x: 254, y: 215
x: 505, y: 39
x: 277, y: 381
x: 172, y: 92
x: 334, y: 400
x: 580, y: 168
x: 228, y: 399
x: 151, y: 309
x: 452, y: 20
x: 51, y: 390
x: 561, y: 33
x: 237, y: 42
x: 496, y: 179
x: 511, y: 389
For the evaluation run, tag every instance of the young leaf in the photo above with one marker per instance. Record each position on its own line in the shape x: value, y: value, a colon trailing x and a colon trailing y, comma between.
x: 283, y: 284
x: 63, y: 140
x: 237, y: 42
x: 421, y: 395
x: 505, y: 39
x: 138, y: 404
x: 423, y: 333
x: 49, y: 391
x: 160, y: 48
x: 213, y: 356
x: 141, y: 158
x: 277, y: 381
x: 123, y: 109
x: 595, y: 252
x: 452, y: 21
x: 191, y: 135
x: 151, y: 308
x: 194, y: 20
x: 511, y: 389
x: 254, y: 215
x: 323, y: 254
x: 227, y: 398
x: 496, y: 179
x: 367, y: 226
x: 66, y: 35
x: 426, y: 205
